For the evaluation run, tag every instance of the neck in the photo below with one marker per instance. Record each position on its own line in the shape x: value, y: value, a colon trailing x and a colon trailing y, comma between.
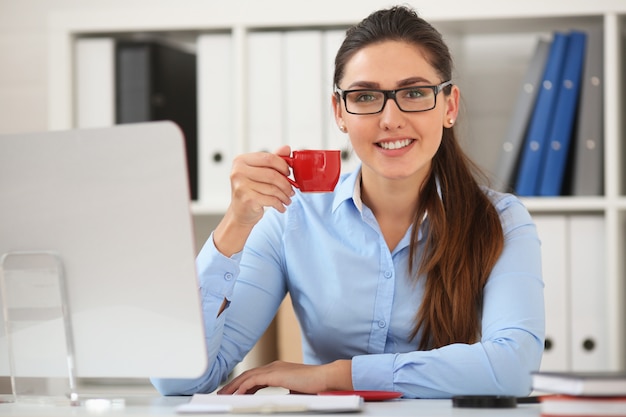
x: 390, y: 197
x: 393, y: 203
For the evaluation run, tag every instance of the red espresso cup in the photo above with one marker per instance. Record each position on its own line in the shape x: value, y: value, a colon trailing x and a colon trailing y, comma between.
x: 314, y: 170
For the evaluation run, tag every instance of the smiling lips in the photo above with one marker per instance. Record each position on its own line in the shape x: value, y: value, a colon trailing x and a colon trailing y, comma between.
x: 396, y: 144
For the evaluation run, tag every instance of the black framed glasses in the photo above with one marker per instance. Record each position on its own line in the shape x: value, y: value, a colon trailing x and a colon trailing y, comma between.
x: 409, y: 99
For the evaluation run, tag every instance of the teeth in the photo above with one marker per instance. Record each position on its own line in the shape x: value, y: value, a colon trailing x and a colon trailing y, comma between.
x: 395, y: 145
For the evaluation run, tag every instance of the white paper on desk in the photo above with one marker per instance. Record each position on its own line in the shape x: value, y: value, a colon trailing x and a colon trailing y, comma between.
x: 267, y: 404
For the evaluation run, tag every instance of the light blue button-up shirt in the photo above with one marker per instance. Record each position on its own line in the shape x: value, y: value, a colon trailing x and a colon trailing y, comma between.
x: 355, y: 300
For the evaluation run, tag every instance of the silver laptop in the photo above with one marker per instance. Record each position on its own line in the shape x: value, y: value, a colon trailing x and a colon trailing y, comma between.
x: 111, y: 206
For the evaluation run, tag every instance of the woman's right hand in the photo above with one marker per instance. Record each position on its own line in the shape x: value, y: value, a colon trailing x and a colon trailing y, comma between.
x: 258, y: 180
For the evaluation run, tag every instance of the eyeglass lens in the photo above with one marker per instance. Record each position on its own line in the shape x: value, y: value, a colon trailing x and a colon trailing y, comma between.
x: 407, y: 99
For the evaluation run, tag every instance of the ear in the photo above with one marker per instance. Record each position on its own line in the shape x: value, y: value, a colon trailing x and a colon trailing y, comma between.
x: 451, y: 107
x: 338, y: 112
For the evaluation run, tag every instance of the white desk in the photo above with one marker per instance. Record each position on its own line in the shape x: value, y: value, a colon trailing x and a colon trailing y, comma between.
x: 149, y: 405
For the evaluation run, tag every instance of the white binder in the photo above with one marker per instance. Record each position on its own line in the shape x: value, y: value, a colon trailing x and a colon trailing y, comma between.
x: 335, y: 138
x: 265, y: 81
x: 217, y: 143
x: 302, y: 111
x: 95, y: 82
x: 552, y: 230
x: 590, y: 350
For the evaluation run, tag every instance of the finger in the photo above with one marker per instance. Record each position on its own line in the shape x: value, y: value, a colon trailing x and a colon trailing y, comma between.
x: 241, y: 385
x: 284, y: 150
x: 253, y: 193
x: 266, y: 160
x: 252, y: 390
x: 250, y: 380
x: 229, y: 388
x: 263, y: 168
x: 279, y: 185
x: 252, y: 384
x: 255, y: 204
x: 232, y: 386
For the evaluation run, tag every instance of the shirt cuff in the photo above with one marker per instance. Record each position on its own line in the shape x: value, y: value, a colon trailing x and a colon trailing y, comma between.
x: 373, y: 372
x: 216, y: 273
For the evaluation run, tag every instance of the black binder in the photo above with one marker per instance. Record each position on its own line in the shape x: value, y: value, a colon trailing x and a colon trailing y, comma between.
x: 157, y: 81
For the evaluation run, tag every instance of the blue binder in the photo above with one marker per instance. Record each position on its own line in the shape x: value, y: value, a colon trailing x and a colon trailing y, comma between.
x: 563, y: 121
x: 527, y: 183
x: 513, y: 141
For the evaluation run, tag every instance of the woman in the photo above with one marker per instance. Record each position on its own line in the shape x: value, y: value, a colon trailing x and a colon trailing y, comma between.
x: 409, y: 276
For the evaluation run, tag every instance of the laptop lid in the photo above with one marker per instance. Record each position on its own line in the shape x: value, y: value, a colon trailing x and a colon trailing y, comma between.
x: 113, y: 204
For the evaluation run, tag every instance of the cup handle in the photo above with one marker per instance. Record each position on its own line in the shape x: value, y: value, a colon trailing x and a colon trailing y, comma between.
x: 289, y: 161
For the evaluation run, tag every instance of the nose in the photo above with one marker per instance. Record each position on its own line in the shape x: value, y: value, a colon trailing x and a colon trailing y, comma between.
x: 391, y: 116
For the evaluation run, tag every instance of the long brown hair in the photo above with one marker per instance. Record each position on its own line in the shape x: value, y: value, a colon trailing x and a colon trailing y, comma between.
x: 465, y: 237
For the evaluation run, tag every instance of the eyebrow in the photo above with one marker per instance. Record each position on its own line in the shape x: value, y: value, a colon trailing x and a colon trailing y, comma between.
x: 402, y: 83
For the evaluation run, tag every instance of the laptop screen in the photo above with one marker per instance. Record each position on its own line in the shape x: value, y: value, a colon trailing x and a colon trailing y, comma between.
x: 112, y: 206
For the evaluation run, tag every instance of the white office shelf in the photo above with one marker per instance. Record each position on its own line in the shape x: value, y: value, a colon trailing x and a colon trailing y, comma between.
x: 491, y: 41
x: 565, y: 204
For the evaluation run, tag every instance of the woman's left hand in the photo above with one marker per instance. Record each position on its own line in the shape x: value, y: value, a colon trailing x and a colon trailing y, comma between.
x: 306, y: 379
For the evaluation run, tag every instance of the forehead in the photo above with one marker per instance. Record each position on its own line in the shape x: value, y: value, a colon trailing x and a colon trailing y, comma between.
x: 388, y: 63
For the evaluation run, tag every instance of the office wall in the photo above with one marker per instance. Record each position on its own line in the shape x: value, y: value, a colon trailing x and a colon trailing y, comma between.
x: 24, y: 49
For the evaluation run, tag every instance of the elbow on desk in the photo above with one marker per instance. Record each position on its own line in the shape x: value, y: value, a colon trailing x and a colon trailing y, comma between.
x: 517, y: 384
x: 171, y: 387
x: 516, y: 378
x: 164, y: 386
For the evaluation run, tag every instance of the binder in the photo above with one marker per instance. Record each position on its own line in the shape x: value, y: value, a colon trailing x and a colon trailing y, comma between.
x: 157, y: 81
x: 588, y: 161
x: 334, y: 138
x: 589, y: 286
x: 526, y: 98
x: 553, y: 230
x: 572, y: 384
x: 95, y: 82
x: 554, y: 164
x: 536, y: 138
x: 134, y: 65
x: 573, y: 259
x: 265, y: 80
x: 302, y: 112
x: 217, y: 145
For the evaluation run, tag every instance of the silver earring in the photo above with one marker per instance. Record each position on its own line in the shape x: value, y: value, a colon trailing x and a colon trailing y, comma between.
x: 451, y: 121
x: 343, y: 128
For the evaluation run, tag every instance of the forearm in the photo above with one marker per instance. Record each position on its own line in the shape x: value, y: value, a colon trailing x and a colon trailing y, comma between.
x: 230, y: 235
x: 339, y: 375
x: 496, y: 367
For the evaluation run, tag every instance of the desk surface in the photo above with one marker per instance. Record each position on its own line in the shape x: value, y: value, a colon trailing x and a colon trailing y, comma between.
x: 150, y: 405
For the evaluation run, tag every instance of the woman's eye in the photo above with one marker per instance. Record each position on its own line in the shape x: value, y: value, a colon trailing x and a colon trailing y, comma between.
x: 414, y: 93
x: 365, y: 97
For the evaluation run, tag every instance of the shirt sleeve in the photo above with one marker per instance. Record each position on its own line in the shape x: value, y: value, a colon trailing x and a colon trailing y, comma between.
x: 217, y: 275
x: 513, y: 331
x: 253, y: 284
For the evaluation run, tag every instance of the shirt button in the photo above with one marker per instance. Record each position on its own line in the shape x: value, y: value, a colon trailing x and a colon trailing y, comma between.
x: 228, y: 276
x: 388, y: 274
x: 381, y: 323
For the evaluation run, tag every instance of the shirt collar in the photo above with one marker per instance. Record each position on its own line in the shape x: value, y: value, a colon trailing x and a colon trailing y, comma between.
x: 349, y: 187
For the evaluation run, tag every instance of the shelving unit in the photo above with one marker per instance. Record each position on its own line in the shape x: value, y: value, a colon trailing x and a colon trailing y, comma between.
x: 491, y: 42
